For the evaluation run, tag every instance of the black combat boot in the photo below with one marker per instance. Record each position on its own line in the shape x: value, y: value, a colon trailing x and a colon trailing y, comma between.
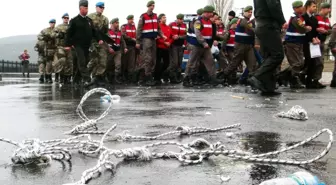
x: 50, y: 79
x: 214, y: 81
x: 149, y: 80
x: 28, y: 75
x: 118, y: 78
x: 333, y: 82
x: 295, y: 83
x: 41, y: 79
x: 187, y: 82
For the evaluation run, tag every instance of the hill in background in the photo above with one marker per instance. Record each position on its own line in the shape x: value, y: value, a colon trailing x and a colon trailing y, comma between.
x: 12, y: 47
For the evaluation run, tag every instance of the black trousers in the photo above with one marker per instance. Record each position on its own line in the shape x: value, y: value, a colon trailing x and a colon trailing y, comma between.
x: 82, y: 59
x: 272, y: 52
x: 162, y: 63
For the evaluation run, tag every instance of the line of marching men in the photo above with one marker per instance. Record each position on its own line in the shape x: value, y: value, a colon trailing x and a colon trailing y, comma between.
x: 153, y: 51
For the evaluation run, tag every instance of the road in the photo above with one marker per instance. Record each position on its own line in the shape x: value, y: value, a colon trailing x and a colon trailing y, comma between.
x: 32, y: 110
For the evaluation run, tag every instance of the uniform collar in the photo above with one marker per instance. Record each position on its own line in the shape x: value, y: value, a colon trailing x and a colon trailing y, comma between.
x: 82, y: 15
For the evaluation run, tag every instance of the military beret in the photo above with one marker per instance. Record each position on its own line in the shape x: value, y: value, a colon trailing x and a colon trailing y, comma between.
x: 200, y: 11
x: 233, y: 21
x: 100, y: 4
x: 84, y: 3
x: 65, y: 15
x: 248, y: 8
x: 150, y: 3
x: 130, y: 17
x: 325, y: 5
x: 52, y: 21
x: 209, y: 8
x: 180, y: 16
x: 297, y: 4
x: 114, y: 20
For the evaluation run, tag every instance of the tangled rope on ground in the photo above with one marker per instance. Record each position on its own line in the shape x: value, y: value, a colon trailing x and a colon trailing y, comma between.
x: 193, y: 153
x: 296, y: 112
x: 90, y: 125
x: 182, y: 130
x: 41, y: 152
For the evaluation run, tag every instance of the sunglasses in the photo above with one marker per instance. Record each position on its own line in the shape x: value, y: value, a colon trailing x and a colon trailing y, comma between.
x: 101, y: 7
x: 65, y: 17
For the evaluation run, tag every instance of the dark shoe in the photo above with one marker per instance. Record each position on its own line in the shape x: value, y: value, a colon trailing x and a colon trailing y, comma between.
x: 61, y: 78
x: 50, y: 79
x: 187, y: 82
x: 56, y: 77
x: 23, y: 75
x: 173, y: 78
x: 28, y: 75
x: 41, y: 79
x: 255, y: 83
x: 296, y: 83
x: 158, y: 82
x: 274, y: 93
x: 149, y: 80
x: 214, y: 81
x: 118, y: 79
x: 333, y: 83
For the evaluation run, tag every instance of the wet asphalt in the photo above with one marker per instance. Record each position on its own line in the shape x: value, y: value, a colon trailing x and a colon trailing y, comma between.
x: 32, y: 110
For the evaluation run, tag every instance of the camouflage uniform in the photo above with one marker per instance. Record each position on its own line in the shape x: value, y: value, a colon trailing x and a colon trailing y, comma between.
x: 40, y: 48
x: 63, y: 59
x: 98, y: 55
x: 49, y: 50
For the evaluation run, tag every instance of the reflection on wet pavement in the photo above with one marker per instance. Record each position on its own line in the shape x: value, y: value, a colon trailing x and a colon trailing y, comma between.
x: 30, y: 110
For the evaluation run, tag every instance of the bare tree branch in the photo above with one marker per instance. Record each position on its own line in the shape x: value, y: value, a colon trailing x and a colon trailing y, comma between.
x: 222, y: 7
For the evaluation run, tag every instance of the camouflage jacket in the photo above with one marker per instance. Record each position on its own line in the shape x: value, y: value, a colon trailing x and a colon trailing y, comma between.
x: 100, y: 22
x: 46, y: 36
x: 59, y: 34
x: 40, y: 46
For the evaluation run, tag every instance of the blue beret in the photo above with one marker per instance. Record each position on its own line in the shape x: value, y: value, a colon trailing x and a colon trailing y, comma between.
x: 65, y: 15
x: 52, y: 21
x: 100, y: 4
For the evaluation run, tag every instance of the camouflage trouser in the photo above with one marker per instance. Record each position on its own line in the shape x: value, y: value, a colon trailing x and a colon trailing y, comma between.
x: 148, y: 55
x: 98, y: 60
x: 45, y: 67
x: 114, y: 62
x: 41, y: 61
x: 63, y: 62
x: 129, y: 60
x: 176, y: 53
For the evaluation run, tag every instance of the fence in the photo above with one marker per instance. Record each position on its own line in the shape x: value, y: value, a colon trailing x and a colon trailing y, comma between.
x: 16, y: 67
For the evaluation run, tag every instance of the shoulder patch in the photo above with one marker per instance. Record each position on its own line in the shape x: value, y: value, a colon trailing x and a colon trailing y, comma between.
x: 197, y: 25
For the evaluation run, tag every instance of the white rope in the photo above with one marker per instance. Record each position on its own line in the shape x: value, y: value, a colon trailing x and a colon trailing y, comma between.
x: 296, y: 112
x: 88, y: 124
x: 193, y: 153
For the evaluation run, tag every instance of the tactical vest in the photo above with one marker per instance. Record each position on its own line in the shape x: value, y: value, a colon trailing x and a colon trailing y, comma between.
x: 180, y: 30
x: 242, y: 36
x: 150, y: 27
x: 206, y: 31
x: 220, y: 30
x: 191, y: 37
x: 323, y: 22
x: 231, y: 41
x: 116, y: 36
x: 130, y: 30
x: 292, y: 34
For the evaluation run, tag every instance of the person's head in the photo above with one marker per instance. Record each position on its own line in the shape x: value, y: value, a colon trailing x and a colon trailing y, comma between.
x: 65, y: 18
x: 179, y: 18
x: 162, y: 18
x: 248, y: 11
x: 25, y: 51
x: 200, y: 12
x: 130, y: 19
x: 114, y: 23
x: 214, y: 18
x: 325, y: 9
x: 311, y: 6
x: 100, y: 6
x: 233, y: 23
x: 232, y: 15
x: 219, y: 21
x: 151, y: 5
x: 83, y: 7
x: 298, y: 7
x: 52, y: 23
x: 208, y: 11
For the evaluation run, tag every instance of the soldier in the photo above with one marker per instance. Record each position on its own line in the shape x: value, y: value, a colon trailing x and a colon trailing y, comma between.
x: 49, y: 51
x: 229, y: 41
x: 63, y: 59
x: 332, y: 46
x: 40, y: 48
x: 148, y: 30
x: 116, y: 51
x: 129, y: 59
x: 294, y: 40
x: 324, y: 30
x: 243, y: 48
x: 231, y: 16
x: 179, y: 32
x: 98, y: 55
x: 201, y: 47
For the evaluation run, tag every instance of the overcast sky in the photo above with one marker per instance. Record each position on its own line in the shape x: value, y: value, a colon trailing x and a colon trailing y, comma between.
x: 23, y: 17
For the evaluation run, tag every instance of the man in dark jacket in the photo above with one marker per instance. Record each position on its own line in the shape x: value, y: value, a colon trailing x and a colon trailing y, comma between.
x: 79, y: 35
x: 270, y: 20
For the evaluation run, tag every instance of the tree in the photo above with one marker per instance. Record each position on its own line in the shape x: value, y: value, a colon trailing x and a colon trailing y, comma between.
x: 222, y: 7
